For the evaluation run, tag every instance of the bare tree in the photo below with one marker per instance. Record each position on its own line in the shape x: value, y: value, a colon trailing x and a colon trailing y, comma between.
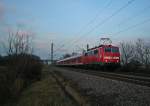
x: 143, y: 52
x: 19, y: 42
x: 147, y: 55
x: 127, y: 52
x: 140, y: 50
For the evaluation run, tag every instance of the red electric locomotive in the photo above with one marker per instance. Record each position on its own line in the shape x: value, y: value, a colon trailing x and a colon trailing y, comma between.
x: 95, y: 57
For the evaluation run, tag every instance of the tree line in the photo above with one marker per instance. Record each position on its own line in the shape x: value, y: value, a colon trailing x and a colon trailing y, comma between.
x: 135, y: 53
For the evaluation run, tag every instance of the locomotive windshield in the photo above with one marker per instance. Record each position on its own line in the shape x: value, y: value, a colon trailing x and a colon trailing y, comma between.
x: 113, y: 49
x: 108, y: 49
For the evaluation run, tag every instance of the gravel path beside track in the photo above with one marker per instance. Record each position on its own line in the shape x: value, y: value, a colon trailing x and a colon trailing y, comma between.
x: 107, y: 92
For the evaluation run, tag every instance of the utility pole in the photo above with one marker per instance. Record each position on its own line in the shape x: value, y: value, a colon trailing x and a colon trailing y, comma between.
x: 52, y: 52
x: 87, y: 47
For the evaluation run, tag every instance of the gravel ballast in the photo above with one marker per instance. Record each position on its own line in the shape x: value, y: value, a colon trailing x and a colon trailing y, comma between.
x: 108, y: 92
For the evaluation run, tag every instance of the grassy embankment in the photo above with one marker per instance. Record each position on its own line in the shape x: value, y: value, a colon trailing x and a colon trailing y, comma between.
x: 45, y: 93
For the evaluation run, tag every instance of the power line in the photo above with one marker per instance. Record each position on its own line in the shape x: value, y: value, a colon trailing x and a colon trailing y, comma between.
x: 106, y: 19
x: 131, y: 18
x: 134, y: 16
x: 132, y: 27
x: 89, y: 23
x: 52, y: 47
x: 97, y: 15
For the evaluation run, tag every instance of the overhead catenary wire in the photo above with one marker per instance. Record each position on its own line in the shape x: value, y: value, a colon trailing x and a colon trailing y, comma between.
x: 89, y: 23
x: 131, y: 27
x: 106, y: 19
x: 129, y: 19
x: 134, y: 16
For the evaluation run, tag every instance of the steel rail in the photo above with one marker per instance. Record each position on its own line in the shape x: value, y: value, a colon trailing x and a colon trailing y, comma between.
x: 140, y: 80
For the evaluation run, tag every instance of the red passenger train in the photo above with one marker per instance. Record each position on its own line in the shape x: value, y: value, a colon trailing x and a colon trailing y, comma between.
x: 102, y: 55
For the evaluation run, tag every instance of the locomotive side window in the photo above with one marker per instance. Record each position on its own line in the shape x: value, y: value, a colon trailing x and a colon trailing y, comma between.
x: 85, y: 54
x: 115, y: 50
x: 108, y: 49
x: 95, y: 52
x: 90, y: 53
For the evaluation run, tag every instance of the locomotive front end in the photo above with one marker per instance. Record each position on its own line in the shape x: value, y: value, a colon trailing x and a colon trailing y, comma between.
x: 111, y: 55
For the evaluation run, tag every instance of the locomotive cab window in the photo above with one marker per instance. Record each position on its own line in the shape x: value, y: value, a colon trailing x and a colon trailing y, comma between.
x: 108, y: 49
x: 95, y: 52
x: 115, y: 50
x: 90, y: 53
x: 85, y: 54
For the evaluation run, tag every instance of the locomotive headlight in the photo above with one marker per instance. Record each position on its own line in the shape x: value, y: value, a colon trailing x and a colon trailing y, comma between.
x: 115, y: 57
x: 107, y: 57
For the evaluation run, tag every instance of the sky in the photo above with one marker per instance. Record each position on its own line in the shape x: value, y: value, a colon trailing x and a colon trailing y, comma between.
x: 71, y: 24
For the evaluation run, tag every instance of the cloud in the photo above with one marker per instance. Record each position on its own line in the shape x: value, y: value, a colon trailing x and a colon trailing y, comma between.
x: 41, y: 44
x: 18, y: 30
x: 25, y: 33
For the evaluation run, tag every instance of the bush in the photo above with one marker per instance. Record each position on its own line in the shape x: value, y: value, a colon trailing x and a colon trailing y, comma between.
x: 27, y: 67
x: 1, y: 59
x: 6, y: 82
x: 32, y: 70
x: 21, y: 71
x: 133, y: 66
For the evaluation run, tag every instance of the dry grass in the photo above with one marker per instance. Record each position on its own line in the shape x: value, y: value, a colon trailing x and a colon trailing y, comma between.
x: 45, y: 93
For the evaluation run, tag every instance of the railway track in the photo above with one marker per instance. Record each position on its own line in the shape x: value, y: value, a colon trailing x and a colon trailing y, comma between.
x: 140, y: 80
